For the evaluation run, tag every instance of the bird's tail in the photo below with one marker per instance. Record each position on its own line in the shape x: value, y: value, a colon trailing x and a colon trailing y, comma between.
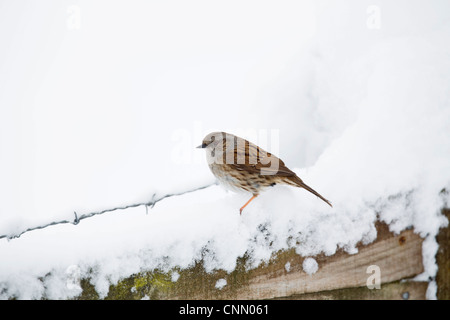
x: 296, y: 181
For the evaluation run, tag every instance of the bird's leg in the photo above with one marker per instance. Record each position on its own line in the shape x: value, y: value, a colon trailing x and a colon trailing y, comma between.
x: 254, y: 196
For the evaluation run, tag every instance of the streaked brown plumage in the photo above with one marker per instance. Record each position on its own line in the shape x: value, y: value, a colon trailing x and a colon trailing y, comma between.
x: 240, y: 165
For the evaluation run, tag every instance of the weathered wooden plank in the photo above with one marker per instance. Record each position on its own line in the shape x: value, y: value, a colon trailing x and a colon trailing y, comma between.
x: 399, y: 290
x: 443, y: 261
x: 398, y: 257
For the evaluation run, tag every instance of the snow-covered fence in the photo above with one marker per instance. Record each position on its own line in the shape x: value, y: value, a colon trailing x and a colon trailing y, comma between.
x: 377, y: 271
x: 383, y: 268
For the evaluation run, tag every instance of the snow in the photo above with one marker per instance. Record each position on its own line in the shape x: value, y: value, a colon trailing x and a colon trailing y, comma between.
x: 361, y: 114
x: 310, y: 266
x: 220, y: 284
x: 174, y: 276
x: 431, y: 290
x: 287, y: 266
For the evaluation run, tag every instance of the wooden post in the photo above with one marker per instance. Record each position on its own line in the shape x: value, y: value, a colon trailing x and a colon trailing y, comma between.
x: 443, y: 261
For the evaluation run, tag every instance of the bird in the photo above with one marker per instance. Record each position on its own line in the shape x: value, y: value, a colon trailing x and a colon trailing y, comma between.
x: 242, y: 166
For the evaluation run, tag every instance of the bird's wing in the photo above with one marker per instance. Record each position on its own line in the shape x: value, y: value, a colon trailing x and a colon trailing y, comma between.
x: 253, y: 159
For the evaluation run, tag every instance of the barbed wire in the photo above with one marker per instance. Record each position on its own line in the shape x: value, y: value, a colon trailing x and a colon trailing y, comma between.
x: 77, y: 218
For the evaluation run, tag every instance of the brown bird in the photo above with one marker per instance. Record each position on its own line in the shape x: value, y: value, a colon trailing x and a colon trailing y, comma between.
x: 240, y: 165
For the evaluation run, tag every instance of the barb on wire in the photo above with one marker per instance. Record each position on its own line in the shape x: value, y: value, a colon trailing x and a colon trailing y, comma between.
x: 77, y: 218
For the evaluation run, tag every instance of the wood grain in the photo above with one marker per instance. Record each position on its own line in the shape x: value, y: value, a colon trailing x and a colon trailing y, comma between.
x: 443, y: 261
x: 399, y: 290
x: 398, y: 257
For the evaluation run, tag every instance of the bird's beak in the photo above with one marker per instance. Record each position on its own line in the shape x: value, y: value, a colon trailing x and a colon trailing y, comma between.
x: 203, y: 145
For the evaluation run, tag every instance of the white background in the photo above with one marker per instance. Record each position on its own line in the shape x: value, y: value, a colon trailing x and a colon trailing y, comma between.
x: 102, y: 103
